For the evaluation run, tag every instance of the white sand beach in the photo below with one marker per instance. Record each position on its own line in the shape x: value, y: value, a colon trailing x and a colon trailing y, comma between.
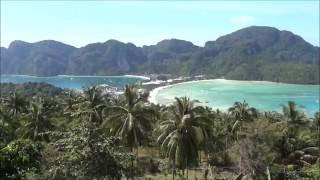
x: 154, y: 82
x: 137, y: 76
x: 153, y: 93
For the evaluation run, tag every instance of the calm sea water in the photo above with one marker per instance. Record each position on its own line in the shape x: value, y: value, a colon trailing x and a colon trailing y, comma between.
x: 73, y: 82
x: 266, y: 96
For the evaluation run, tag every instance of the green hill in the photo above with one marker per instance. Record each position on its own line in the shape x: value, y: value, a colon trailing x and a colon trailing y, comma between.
x: 252, y: 53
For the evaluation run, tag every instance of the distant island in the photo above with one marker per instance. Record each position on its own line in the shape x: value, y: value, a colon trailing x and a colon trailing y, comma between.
x: 253, y: 53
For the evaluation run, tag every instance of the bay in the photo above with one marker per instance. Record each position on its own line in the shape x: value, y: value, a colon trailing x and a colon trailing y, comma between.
x: 265, y: 96
x: 74, y: 82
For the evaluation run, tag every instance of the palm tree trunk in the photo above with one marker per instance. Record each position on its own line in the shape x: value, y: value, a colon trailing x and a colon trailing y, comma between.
x: 187, y: 169
x: 131, y: 149
x: 137, y: 151
x: 318, y: 134
x: 132, y: 167
x: 173, y: 168
x: 211, y: 174
x: 136, y: 157
x: 226, y: 148
x: 240, y: 162
x: 35, y: 132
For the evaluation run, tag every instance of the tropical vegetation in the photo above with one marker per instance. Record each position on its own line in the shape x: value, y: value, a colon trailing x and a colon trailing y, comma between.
x: 95, y: 134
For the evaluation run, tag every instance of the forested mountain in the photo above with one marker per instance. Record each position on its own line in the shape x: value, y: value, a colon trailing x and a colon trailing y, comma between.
x: 260, y: 53
x: 30, y: 89
x: 109, y: 58
x: 252, y: 53
x: 44, y: 58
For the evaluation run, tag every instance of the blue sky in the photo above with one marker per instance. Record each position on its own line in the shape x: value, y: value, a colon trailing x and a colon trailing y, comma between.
x: 143, y: 23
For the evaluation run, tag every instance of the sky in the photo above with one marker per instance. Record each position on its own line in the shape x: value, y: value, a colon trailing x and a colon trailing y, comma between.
x: 145, y: 23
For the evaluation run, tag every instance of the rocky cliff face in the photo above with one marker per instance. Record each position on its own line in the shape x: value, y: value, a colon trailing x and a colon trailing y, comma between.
x: 252, y: 53
x: 44, y: 58
x: 109, y: 58
x: 280, y: 45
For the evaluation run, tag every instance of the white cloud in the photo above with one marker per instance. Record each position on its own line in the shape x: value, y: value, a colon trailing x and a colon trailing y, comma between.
x: 242, y: 19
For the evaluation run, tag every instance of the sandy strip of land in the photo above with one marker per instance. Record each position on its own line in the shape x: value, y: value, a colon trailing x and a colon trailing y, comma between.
x: 137, y: 76
x: 154, y: 82
x: 153, y: 93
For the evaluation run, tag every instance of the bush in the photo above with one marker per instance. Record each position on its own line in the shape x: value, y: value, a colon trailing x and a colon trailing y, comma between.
x: 84, y: 153
x: 221, y: 159
x: 20, y: 157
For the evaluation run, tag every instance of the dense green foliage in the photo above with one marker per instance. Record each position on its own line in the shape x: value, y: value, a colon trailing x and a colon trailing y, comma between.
x: 96, y: 135
x: 252, y: 53
x: 182, y: 133
x: 83, y: 153
x: 30, y: 89
x: 131, y: 120
x: 19, y: 157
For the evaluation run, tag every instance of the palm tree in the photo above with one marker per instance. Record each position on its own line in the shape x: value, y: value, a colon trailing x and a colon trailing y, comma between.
x: 316, y: 128
x: 37, y: 120
x: 242, y: 114
x: 70, y: 101
x: 273, y: 116
x: 8, y: 124
x: 90, y: 104
x: 205, y: 118
x: 130, y: 120
x: 294, y: 118
x: 224, y: 135
x: 17, y: 103
x: 182, y: 134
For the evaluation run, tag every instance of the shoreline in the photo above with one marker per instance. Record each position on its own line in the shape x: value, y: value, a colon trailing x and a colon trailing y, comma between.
x: 149, y: 81
x: 153, y: 92
x: 138, y: 76
x: 72, y: 75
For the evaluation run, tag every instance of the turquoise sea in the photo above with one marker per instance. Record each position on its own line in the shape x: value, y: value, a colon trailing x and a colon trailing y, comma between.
x: 73, y: 82
x: 265, y: 96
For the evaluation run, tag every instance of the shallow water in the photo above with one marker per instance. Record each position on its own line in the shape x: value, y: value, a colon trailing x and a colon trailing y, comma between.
x: 265, y: 96
x: 73, y: 82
